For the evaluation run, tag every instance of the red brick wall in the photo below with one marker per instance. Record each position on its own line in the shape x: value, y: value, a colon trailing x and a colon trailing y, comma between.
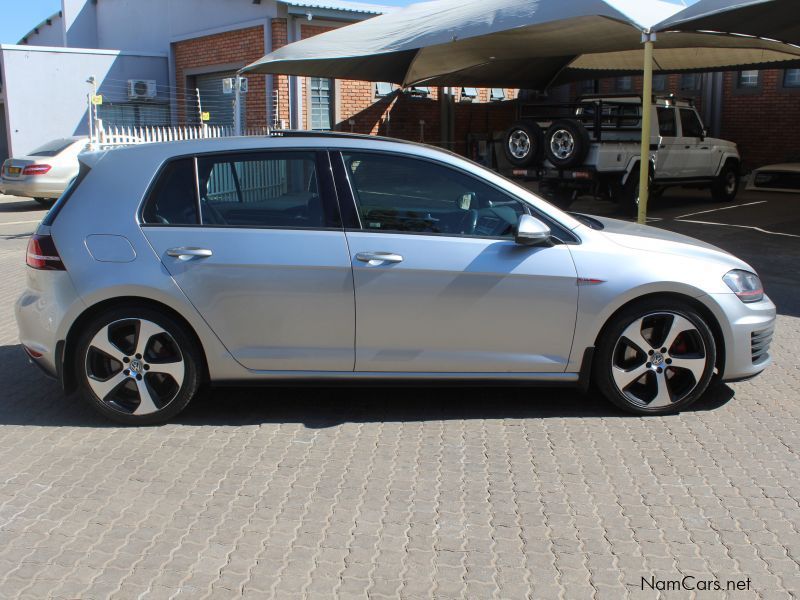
x: 765, y: 123
x: 280, y: 38
x: 240, y: 46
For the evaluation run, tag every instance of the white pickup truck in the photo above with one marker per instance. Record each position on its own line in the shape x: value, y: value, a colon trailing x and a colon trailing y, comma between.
x: 593, y: 147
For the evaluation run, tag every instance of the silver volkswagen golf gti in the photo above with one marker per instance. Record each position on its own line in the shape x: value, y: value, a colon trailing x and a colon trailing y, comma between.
x: 167, y: 267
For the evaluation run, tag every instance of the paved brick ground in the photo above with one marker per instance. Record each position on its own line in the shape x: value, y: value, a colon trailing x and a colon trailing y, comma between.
x: 434, y: 493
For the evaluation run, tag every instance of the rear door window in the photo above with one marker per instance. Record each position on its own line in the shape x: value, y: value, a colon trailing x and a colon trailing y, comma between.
x: 666, y: 122
x: 264, y: 189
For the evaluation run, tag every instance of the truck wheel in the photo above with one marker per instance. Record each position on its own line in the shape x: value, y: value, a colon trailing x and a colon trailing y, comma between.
x: 629, y: 197
x: 726, y: 186
x: 523, y: 144
x: 566, y: 143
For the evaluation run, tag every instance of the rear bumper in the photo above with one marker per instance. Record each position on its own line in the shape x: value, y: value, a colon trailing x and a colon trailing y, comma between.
x: 30, y: 189
x: 40, y: 311
x: 747, y: 329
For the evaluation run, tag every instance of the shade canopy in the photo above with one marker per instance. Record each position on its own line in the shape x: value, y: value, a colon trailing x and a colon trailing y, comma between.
x: 536, y: 43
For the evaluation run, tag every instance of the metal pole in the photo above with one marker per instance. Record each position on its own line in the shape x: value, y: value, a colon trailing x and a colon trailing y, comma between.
x: 237, y: 105
x: 199, y: 106
x: 647, y: 112
x: 90, y: 97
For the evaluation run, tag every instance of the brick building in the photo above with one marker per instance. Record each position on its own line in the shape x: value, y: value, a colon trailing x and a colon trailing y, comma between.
x: 190, y: 47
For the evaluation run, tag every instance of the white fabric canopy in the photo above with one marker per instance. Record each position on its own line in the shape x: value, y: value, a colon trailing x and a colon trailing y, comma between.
x: 526, y: 43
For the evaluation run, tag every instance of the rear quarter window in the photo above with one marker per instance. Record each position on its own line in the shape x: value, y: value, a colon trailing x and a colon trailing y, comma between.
x: 173, y: 198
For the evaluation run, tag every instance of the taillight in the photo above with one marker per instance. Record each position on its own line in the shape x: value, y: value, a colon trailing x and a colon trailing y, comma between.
x: 36, y: 169
x: 42, y: 254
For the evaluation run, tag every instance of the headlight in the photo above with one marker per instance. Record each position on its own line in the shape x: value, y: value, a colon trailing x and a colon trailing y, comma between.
x: 744, y: 284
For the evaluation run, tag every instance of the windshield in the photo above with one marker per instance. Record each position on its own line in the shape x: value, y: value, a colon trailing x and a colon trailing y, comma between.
x: 53, y: 148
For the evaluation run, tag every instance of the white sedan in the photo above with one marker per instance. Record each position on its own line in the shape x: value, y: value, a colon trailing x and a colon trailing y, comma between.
x: 45, y: 173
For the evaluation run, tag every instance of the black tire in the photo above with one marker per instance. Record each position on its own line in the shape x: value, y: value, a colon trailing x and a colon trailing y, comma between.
x: 726, y: 185
x: 566, y: 143
x: 522, y: 144
x: 629, y: 193
x: 617, y: 359
x: 46, y: 202
x: 94, y: 369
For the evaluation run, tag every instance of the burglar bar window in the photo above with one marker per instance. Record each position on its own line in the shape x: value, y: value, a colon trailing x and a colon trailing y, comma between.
x: 497, y: 94
x: 748, y: 79
x: 383, y: 89
x: 321, y: 103
x: 420, y: 90
x: 469, y: 94
x: 659, y: 83
x: 791, y: 78
x: 691, y: 82
x: 625, y: 84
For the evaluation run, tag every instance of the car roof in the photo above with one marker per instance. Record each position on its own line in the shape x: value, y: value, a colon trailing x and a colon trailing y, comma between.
x: 279, y: 139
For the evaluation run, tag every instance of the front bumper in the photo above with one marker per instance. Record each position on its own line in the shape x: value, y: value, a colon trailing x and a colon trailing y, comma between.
x: 747, y: 329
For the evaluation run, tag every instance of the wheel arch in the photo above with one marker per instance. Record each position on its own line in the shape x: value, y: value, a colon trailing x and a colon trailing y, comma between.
x: 729, y: 157
x: 707, y: 314
x: 67, y: 357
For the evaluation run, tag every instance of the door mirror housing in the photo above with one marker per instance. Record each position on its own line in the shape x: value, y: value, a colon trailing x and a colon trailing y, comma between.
x: 531, y: 231
x: 703, y: 134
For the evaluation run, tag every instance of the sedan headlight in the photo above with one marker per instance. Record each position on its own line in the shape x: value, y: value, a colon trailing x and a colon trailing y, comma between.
x: 746, y: 285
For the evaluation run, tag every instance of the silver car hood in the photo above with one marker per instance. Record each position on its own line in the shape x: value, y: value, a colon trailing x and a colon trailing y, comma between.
x: 653, y: 239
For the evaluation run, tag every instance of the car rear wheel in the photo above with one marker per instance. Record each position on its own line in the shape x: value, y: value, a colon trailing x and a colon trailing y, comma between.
x: 137, y: 366
x: 655, y: 357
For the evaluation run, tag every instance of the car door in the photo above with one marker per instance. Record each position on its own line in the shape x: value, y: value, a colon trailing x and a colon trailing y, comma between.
x: 440, y: 284
x: 671, y: 159
x: 695, y: 145
x: 255, y: 242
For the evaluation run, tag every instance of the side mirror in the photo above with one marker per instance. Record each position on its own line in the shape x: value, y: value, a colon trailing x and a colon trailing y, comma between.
x: 703, y: 134
x: 531, y: 231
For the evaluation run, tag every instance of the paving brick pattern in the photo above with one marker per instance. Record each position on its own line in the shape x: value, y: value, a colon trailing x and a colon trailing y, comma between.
x: 497, y: 493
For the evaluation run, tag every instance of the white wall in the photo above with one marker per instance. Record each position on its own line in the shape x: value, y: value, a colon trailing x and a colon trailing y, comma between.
x: 45, y: 88
x: 151, y: 25
x: 49, y: 35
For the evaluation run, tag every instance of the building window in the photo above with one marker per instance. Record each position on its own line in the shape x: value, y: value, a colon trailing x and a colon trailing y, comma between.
x: 469, y: 94
x: 659, y: 83
x: 624, y: 84
x: 420, y: 90
x: 747, y: 79
x: 383, y: 89
x: 321, y: 103
x: 588, y: 86
x: 691, y: 82
x: 497, y: 94
x: 791, y: 78
x: 129, y: 114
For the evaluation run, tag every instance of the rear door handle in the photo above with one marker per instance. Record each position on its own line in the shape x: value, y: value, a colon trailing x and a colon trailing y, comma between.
x: 375, y: 258
x: 188, y: 253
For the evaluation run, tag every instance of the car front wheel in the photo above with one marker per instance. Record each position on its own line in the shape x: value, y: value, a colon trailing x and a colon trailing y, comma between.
x: 137, y: 366
x: 655, y: 357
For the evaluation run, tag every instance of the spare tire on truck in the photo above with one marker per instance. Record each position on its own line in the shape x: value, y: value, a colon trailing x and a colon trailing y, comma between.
x: 566, y: 143
x: 523, y: 144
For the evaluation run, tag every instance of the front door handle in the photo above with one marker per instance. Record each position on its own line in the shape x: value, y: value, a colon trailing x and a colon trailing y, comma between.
x: 375, y: 258
x: 188, y: 253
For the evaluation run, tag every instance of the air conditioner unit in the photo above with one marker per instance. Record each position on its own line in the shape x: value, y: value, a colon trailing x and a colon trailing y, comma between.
x: 141, y: 89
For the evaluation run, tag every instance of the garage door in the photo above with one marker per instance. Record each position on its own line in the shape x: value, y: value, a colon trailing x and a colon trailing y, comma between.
x: 218, y: 104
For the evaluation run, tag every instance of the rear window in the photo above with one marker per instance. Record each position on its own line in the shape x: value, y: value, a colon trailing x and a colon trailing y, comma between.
x: 51, y: 215
x: 53, y: 148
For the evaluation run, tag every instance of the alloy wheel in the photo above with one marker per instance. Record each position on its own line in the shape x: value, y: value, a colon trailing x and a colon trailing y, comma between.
x: 134, y: 366
x: 519, y: 144
x: 658, y: 360
x: 562, y: 143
